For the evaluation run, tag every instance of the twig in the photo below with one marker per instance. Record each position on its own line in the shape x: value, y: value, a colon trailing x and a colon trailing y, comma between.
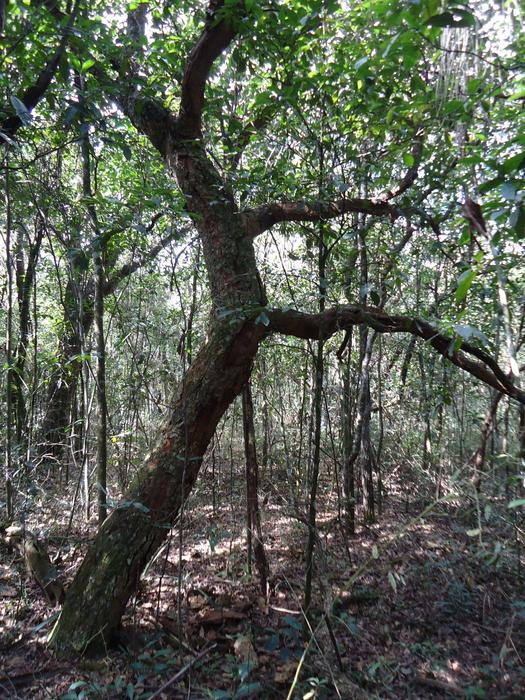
x: 447, y: 686
x: 27, y: 634
x: 182, y: 672
x: 334, y: 641
x: 24, y: 678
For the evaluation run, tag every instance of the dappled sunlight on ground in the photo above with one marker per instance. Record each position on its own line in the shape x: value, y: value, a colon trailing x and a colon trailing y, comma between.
x: 417, y: 608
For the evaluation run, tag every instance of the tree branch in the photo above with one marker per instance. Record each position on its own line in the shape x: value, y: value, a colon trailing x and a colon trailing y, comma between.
x: 215, y: 38
x: 264, y: 217
x: 32, y: 95
x: 148, y: 115
x: 129, y: 268
x: 410, y: 176
x: 324, y: 325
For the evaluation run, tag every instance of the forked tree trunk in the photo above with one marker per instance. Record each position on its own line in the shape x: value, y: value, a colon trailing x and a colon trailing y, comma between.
x: 128, y: 539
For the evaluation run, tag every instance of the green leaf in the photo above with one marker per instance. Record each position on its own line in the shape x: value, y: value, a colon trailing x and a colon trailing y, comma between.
x: 21, y: 110
x: 464, y: 283
x: 411, y: 55
x: 508, y: 190
x: 467, y: 332
x: 516, y: 503
x: 263, y: 318
x: 75, y: 62
x: 474, y: 533
x: 464, y: 239
x: 88, y: 64
x: 518, y: 95
x: 375, y: 551
x: 514, y: 163
x: 456, y: 17
x: 490, y: 185
x: 390, y: 44
x: 408, y: 159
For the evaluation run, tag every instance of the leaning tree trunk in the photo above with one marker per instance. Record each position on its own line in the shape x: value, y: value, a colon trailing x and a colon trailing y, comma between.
x: 128, y: 539
x: 130, y: 536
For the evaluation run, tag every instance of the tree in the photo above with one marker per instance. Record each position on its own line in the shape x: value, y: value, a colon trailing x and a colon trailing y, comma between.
x: 241, y: 317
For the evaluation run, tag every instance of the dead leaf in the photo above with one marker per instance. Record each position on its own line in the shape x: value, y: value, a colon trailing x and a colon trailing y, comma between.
x: 218, y: 617
x: 245, y: 652
x: 7, y: 591
x: 285, y: 673
x: 196, y: 602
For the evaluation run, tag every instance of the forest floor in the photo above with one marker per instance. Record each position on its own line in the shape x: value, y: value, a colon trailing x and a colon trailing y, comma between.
x: 427, y: 603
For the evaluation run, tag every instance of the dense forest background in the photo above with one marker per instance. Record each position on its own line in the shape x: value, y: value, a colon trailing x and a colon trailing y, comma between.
x: 263, y: 317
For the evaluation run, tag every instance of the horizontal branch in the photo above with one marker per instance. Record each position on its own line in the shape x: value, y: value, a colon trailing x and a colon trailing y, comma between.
x: 262, y: 218
x: 323, y: 325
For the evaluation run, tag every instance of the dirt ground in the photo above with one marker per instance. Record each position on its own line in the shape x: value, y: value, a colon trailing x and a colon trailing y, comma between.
x: 415, y: 606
